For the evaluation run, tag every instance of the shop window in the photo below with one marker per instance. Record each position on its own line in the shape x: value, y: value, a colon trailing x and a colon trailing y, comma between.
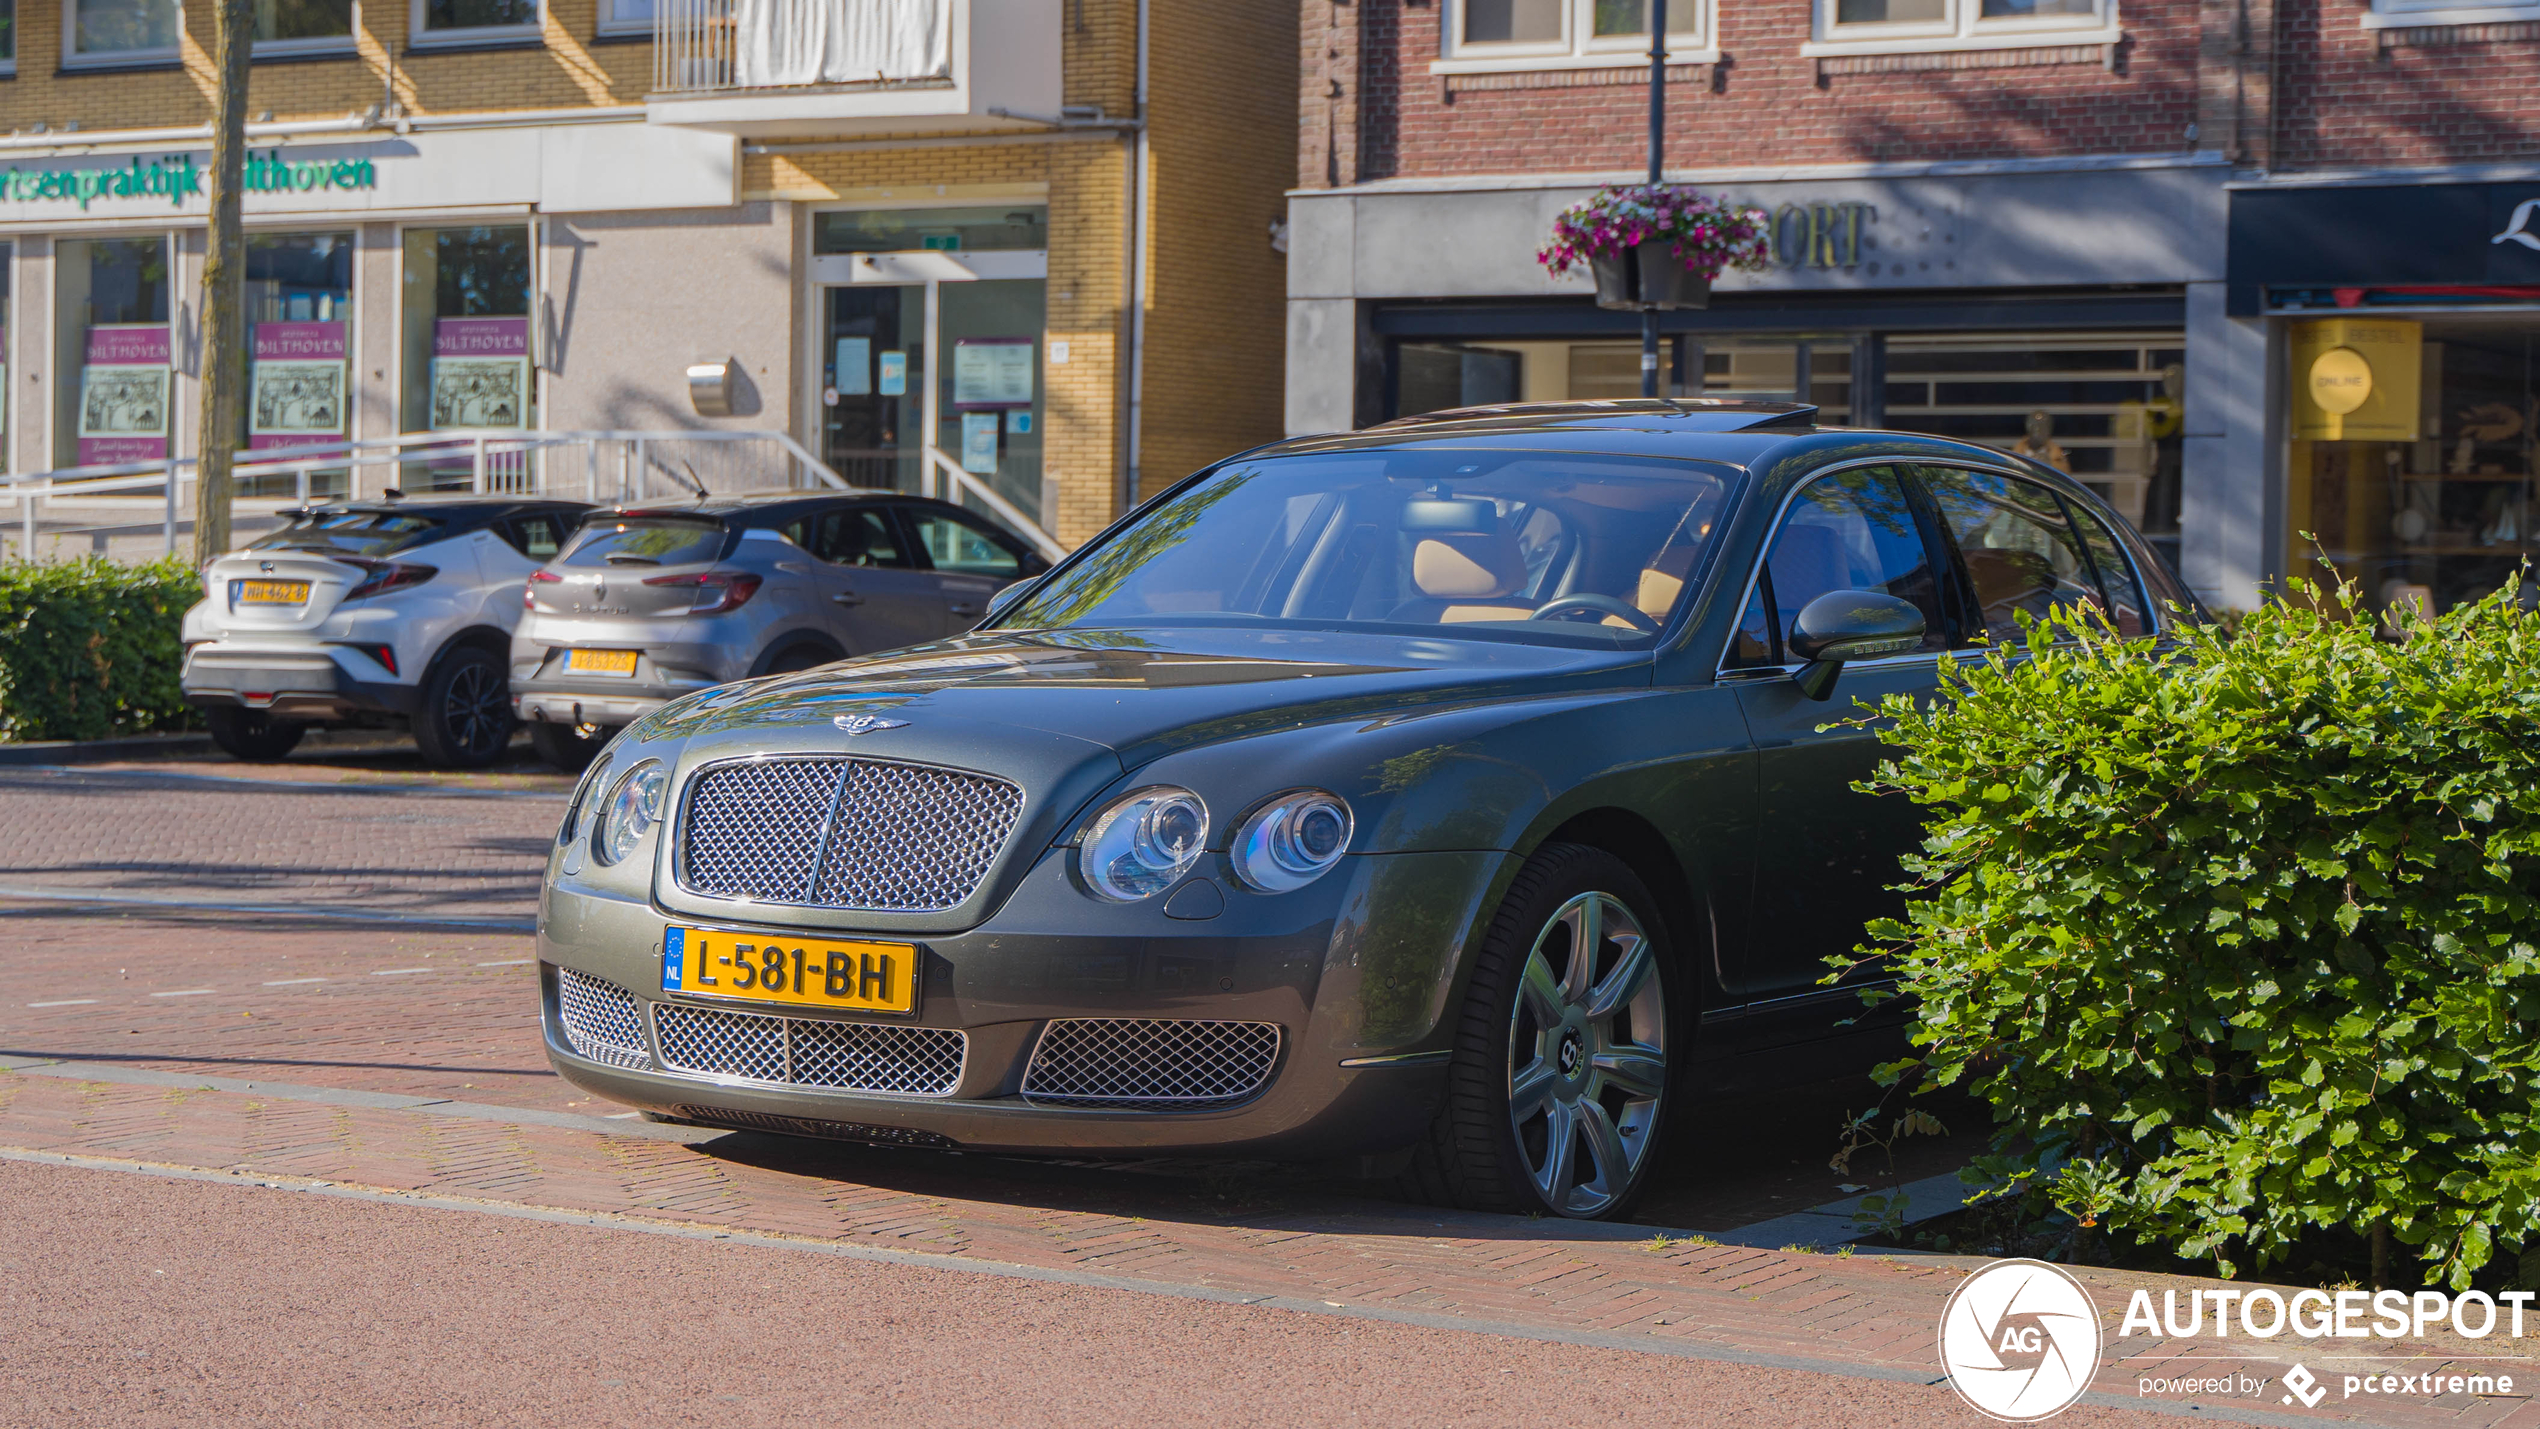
x: 7, y: 251
x: 948, y: 230
x: 2394, y: 14
x: 1435, y: 376
x: 2105, y: 408
x: 1568, y: 34
x: 2410, y: 466
x: 464, y: 335
x: 989, y: 384
x: 1873, y: 26
x: 111, y: 322
x: 293, y: 27
x: 8, y: 37
x: 467, y: 22
x: 299, y: 346
x: 119, y: 32
x: 1430, y: 376
x: 626, y: 17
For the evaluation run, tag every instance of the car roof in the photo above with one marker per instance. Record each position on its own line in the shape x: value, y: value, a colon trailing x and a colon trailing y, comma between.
x: 751, y: 502
x: 459, y: 507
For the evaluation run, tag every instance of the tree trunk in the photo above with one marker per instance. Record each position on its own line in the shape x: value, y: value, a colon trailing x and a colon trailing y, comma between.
x: 2381, y: 1255
x: 224, y: 284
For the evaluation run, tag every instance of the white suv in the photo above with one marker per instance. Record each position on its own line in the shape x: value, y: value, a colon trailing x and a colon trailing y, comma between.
x: 371, y: 613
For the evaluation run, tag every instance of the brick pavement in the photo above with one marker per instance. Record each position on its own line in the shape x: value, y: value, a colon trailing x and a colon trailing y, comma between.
x: 445, y: 1014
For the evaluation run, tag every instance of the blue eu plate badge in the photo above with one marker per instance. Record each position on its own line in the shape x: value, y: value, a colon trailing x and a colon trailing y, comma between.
x: 674, y: 954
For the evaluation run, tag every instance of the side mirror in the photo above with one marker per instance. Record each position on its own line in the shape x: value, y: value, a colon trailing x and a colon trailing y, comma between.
x: 1005, y: 597
x: 1848, y: 625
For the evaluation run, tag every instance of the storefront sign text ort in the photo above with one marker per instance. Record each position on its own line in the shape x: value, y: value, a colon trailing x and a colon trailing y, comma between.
x: 1820, y: 235
x: 178, y: 177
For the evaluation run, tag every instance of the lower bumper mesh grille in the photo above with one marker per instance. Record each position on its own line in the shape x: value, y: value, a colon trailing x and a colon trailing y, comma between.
x: 600, y: 1019
x: 1150, y: 1062
x: 804, y: 1052
x: 804, y: 1126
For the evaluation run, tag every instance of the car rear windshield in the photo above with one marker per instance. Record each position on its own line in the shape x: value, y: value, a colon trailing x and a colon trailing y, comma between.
x: 351, y: 533
x: 645, y: 541
x: 1551, y: 548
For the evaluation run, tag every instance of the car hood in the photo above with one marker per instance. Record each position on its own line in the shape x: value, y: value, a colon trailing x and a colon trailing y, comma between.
x: 1144, y: 692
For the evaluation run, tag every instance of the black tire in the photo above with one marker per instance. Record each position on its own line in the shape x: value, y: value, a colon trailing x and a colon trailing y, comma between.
x: 563, y: 746
x: 1476, y: 1155
x: 252, y: 735
x: 799, y: 658
x: 465, y: 719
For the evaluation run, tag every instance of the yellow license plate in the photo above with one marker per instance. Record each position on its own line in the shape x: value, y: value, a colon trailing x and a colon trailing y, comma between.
x: 273, y: 592
x: 792, y: 972
x: 600, y: 662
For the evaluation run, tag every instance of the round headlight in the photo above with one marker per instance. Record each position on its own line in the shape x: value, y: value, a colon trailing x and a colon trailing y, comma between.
x: 581, y: 795
x: 1292, y: 840
x: 633, y: 807
x: 1139, y: 846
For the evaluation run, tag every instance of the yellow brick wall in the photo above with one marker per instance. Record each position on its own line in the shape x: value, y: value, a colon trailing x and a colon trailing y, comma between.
x: 573, y: 70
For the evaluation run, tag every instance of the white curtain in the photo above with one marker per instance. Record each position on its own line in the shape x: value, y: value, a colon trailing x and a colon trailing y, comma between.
x: 840, y: 41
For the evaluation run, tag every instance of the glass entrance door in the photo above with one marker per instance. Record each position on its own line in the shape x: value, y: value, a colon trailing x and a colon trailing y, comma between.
x: 873, y: 385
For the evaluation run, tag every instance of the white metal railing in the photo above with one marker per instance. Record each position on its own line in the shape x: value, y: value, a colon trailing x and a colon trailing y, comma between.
x: 701, y: 46
x: 132, y: 498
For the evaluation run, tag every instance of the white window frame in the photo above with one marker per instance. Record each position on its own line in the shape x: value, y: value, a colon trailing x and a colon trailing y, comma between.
x: 2403, y: 14
x: 1963, y: 28
x: 113, y: 59
x: 420, y: 38
x: 1692, y: 30
x: 612, y: 26
x: 342, y: 44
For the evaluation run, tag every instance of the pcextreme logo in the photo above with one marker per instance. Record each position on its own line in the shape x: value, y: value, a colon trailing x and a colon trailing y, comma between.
x: 2020, y: 1340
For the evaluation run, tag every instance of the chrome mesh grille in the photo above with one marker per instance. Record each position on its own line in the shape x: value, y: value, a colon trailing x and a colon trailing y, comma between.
x: 843, y: 833
x: 801, y: 1051
x: 1149, y: 1062
x: 600, y: 1019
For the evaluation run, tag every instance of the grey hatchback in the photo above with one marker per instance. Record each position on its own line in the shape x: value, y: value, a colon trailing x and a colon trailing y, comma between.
x: 649, y: 603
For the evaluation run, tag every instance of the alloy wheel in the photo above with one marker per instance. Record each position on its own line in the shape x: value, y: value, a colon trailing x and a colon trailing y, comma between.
x: 475, y: 710
x: 1587, y: 1055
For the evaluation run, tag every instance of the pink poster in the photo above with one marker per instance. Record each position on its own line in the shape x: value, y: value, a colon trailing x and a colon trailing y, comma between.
x: 124, y: 393
x: 297, y: 394
x: 480, y: 337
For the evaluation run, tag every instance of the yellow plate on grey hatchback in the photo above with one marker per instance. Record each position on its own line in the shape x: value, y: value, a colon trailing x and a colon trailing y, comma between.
x: 600, y: 662
x: 790, y: 972
x: 273, y: 593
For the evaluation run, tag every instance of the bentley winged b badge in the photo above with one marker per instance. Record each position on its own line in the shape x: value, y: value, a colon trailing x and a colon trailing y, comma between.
x: 866, y: 724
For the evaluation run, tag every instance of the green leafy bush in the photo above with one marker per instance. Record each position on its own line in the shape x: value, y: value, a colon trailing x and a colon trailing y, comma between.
x: 2242, y: 943
x: 90, y: 649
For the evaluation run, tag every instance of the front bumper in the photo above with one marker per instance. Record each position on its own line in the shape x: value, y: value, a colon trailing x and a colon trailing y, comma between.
x: 316, y: 684
x: 1359, y: 1004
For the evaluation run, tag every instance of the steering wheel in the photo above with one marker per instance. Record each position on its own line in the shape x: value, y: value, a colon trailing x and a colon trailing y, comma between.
x: 1566, y: 606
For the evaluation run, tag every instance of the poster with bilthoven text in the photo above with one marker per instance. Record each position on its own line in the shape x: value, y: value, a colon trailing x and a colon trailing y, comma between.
x: 480, y: 392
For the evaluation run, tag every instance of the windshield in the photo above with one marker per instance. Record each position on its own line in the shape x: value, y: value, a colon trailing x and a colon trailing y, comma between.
x: 1556, y: 548
x: 350, y: 533
x: 645, y: 541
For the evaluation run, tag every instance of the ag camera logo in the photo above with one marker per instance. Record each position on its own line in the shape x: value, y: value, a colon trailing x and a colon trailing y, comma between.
x: 2020, y: 1340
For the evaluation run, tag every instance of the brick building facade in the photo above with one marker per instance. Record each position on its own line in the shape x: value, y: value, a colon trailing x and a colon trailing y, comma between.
x: 2120, y: 223
x: 979, y: 245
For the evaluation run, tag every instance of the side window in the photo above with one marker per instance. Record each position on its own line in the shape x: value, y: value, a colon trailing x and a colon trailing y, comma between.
x: 1853, y: 530
x: 858, y: 536
x: 1752, y: 643
x: 963, y: 548
x: 537, y: 537
x: 2126, y: 606
x: 2013, y: 542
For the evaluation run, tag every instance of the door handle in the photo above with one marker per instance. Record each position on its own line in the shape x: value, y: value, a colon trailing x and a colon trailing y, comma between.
x: 848, y: 597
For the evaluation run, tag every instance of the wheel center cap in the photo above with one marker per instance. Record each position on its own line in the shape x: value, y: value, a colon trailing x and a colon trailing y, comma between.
x: 1573, y: 1053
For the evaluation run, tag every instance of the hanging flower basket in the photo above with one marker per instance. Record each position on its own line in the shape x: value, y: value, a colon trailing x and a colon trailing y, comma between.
x: 1656, y: 245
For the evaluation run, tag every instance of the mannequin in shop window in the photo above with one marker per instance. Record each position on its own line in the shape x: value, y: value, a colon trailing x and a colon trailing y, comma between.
x: 2038, y: 444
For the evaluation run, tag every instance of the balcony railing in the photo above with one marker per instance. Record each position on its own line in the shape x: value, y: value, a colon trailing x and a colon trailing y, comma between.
x: 712, y: 46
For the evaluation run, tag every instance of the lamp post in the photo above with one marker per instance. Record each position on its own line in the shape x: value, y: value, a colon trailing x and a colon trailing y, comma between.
x: 1657, y: 162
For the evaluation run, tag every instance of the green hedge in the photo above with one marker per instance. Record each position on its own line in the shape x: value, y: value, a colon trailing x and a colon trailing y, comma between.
x: 2242, y: 945
x: 90, y: 649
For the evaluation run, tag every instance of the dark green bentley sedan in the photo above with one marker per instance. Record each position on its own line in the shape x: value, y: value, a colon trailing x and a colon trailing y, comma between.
x: 1456, y: 795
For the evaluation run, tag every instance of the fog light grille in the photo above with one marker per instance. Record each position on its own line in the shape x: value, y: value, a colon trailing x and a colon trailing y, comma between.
x: 1150, y: 1062
x: 600, y: 1019
x: 798, y: 1051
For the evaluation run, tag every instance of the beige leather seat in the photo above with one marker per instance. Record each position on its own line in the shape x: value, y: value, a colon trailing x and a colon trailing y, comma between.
x: 1464, y: 578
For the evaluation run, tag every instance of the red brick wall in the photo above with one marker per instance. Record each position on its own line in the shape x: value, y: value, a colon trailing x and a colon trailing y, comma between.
x: 2472, y: 95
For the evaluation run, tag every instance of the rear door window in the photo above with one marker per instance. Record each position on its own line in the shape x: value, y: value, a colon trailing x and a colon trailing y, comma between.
x: 2014, y: 545
x: 857, y: 536
x: 646, y: 541
x: 1853, y: 530
x: 963, y: 547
